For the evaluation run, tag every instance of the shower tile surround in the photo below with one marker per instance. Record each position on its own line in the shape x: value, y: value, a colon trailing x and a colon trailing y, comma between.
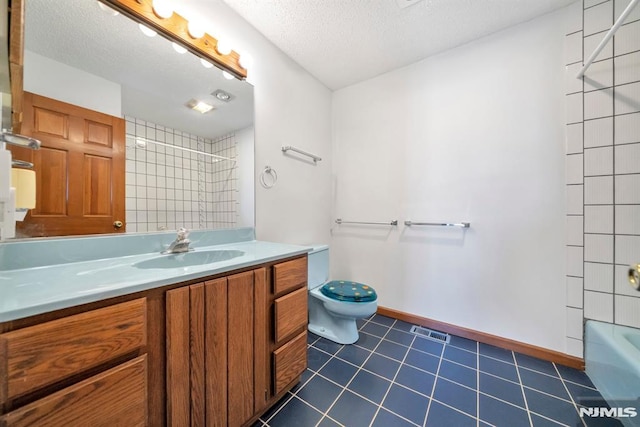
x: 603, y: 168
x: 169, y: 188
x: 390, y: 377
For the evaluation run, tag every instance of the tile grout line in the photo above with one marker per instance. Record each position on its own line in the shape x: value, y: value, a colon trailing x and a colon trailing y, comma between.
x: 575, y: 406
x: 478, y: 384
x: 524, y: 396
x: 433, y: 388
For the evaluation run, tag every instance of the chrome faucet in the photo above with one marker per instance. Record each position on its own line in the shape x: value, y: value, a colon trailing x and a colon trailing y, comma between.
x: 181, y: 244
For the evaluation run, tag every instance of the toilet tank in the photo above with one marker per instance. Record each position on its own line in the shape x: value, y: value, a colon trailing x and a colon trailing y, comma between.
x: 318, y: 267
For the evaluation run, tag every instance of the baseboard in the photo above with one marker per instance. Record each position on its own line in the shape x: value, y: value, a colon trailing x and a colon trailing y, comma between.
x: 520, y: 347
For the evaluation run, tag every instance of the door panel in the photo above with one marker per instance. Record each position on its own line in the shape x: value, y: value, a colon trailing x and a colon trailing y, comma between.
x: 79, y: 169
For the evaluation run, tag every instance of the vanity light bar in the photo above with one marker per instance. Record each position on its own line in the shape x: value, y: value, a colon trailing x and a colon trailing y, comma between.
x: 176, y: 29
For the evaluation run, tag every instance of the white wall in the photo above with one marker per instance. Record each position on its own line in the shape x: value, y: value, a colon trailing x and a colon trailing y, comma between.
x: 291, y: 108
x: 46, y: 77
x: 246, y: 179
x: 474, y: 134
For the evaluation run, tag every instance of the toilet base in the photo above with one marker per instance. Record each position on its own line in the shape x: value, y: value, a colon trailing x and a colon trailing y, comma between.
x: 347, y: 334
x: 339, y: 329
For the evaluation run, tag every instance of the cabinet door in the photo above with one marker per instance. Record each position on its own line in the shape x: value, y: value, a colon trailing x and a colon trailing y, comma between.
x: 117, y: 397
x: 216, y: 352
x: 178, y: 363
x: 240, y: 370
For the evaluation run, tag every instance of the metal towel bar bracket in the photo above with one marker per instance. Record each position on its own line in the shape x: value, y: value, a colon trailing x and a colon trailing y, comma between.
x: 315, y: 158
x: 393, y: 222
x: 439, y: 224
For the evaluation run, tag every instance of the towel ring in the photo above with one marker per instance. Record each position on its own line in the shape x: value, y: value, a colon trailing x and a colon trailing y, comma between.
x: 268, y: 170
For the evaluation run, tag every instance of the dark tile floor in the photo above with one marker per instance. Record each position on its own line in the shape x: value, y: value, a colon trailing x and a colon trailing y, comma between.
x: 391, y: 377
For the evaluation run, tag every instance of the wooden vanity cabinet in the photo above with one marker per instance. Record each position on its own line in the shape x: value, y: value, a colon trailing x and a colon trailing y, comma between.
x: 217, y: 352
x: 235, y: 344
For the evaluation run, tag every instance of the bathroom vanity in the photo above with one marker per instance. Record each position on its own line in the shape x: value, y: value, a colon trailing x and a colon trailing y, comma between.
x: 202, y: 344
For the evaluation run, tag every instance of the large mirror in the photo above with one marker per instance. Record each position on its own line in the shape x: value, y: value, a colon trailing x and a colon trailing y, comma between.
x: 183, y: 167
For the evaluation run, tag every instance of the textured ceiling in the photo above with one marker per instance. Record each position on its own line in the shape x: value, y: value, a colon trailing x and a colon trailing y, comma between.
x: 156, y: 81
x: 342, y: 42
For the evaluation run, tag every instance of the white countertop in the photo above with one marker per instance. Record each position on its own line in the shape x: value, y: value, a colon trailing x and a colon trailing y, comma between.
x: 30, y: 291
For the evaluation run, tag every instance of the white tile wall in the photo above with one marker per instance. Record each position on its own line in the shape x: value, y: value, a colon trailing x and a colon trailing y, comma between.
x: 627, y: 98
x: 574, y: 230
x: 574, y: 323
x: 628, y: 219
x: 574, y: 165
x: 598, y: 277
x: 574, y: 138
x: 598, y: 248
x: 575, y: 347
x: 627, y: 158
x: 591, y: 3
x: 574, y: 18
x: 598, y: 306
x: 590, y: 44
x: 598, y: 132
x: 599, y: 75
x: 627, y: 128
x: 611, y: 171
x: 598, y: 190
x: 627, y: 38
x: 627, y: 189
x: 574, y: 108
x: 598, y: 103
x: 598, y: 219
x: 573, y: 48
x: 620, y: 6
x: 575, y: 262
x: 168, y: 188
x: 598, y: 161
x: 627, y: 68
x: 575, y: 199
x: 627, y: 311
x: 598, y: 18
x: 627, y: 249
x: 574, y: 292
x: 572, y: 84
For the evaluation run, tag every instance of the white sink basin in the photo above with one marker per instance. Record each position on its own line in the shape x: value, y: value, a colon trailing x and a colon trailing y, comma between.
x: 189, y: 259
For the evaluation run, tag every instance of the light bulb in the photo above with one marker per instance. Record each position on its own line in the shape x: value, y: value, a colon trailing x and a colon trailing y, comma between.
x: 195, y: 29
x: 107, y: 9
x: 178, y: 48
x: 223, y: 48
x: 228, y: 75
x: 205, y: 63
x: 246, y: 61
x: 147, y: 31
x: 163, y: 8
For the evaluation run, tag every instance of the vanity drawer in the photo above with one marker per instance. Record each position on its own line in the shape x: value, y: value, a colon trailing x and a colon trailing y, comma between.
x: 289, y: 361
x: 291, y: 313
x: 117, y: 397
x: 289, y: 275
x: 33, y: 357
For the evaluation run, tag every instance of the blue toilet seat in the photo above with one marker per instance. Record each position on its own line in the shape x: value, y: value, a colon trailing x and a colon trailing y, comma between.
x: 344, y: 290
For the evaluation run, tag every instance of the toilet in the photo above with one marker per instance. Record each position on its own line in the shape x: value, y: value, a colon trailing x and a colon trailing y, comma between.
x: 334, y: 306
